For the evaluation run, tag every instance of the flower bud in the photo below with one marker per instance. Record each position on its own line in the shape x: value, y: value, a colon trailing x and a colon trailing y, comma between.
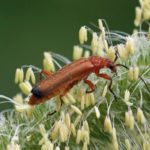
x: 140, y: 116
x: 107, y: 125
x: 94, y: 42
x: 127, y: 144
x: 82, y: 35
x: 97, y: 112
x: 19, y: 75
x: 138, y: 16
x: 25, y: 87
x: 77, y: 52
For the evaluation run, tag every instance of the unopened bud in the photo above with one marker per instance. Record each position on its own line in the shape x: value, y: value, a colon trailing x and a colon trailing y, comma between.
x: 25, y: 87
x: 30, y: 74
x: 138, y: 16
x: 48, y: 62
x: 127, y: 144
x: 78, y: 139
x: 94, y: 42
x: 140, y: 116
x: 77, y: 52
x: 122, y: 51
x: 107, y: 125
x: 130, y: 46
x: 86, y: 54
x: 97, y: 112
x: 82, y: 35
x: 76, y: 109
x: 19, y: 75
x: 111, y: 53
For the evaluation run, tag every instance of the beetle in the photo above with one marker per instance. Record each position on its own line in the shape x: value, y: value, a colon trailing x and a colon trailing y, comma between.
x: 60, y: 82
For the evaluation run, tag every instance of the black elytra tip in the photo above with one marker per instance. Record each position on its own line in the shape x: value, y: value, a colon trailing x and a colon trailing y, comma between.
x: 36, y: 92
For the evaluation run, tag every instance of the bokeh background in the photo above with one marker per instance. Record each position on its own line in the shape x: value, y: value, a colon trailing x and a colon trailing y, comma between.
x: 30, y: 27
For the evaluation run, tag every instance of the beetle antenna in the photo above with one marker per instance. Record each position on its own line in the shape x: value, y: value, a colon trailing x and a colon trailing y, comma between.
x: 116, y: 54
x: 139, y: 76
x: 122, y: 66
x: 144, y: 83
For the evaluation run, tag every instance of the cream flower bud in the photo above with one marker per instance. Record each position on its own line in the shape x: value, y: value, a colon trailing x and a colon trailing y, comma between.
x: 64, y: 132
x: 25, y: 87
x: 86, y: 126
x: 77, y: 120
x: 19, y: 75
x: 76, y: 109
x: 97, y: 112
x: 129, y: 119
x: 92, y: 99
x: 86, y: 137
x: 77, y: 52
x: 13, y: 146
x: 138, y: 16
x: 85, y: 146
x: 70, y: 98
x: 131, y: 74
x: 30, y: 74
x: 55, y: 131
x: 82, y: 34
x: 48, y: 62
x: 57, y: 148
x: 115, y: 144
x: 82, y: 101
x: 94, y: 42
x: 122, y: 51
x: 114, y: 136
x: 101, y: 27
x: 100, y: 24
x: 67, y: 148
x: 73, y: 129
x: 146, y: 14
x: 127, y: 144
x: 78, y: 139
x: 129, y: 45
x: 107, y: 125
x: 127, y: 97
x: 136, y: 73
x: 67, y: 120
x: 140, y: 116
x: 89, y: 99
x: 111, y: 53
x: 86, y: 54
x: 146, y: 145
x: 65, y: 100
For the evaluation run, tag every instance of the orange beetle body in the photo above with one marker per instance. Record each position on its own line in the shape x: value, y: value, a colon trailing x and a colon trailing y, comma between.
x: 60, y: 82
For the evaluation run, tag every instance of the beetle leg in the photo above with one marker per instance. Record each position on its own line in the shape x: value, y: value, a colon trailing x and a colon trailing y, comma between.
x: 107, y: 77
x: 103, y: 75
x: 46, y: 73
x: 90, y: 84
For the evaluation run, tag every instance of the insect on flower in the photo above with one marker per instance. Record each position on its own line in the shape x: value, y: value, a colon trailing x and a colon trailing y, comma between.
x: 60, y: 82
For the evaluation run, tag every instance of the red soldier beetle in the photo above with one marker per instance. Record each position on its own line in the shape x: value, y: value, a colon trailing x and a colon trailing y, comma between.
x: 60, y: 82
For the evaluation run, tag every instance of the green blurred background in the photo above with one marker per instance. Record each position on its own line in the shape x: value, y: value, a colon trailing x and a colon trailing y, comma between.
x: 30, y: 27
